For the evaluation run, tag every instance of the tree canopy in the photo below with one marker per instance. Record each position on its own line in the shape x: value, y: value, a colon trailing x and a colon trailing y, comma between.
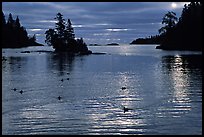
x: 14, y: 35
x: 169, y: 20
x: 62, y: 37
x: 187, y: 33
x: 184, y: 33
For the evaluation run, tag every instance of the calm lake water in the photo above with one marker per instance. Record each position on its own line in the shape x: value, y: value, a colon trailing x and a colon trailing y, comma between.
x: 164, y: 89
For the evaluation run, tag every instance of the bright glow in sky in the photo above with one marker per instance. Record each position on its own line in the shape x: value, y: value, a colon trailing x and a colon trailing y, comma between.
x: 96, y: 22
x: 173, y: 5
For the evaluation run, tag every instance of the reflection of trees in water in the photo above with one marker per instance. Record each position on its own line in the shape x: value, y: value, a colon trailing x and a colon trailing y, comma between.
x: 184, y: 73
x: 184, y: 62
x: 15, y: 63
x: 184, y: 67
x: 62, y: 62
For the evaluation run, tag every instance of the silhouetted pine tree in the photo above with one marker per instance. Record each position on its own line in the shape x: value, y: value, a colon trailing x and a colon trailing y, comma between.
x: 3, y: 19
x: 10, y: 20
x: 69, y: 30
x: 169, y: 20
x: 17, y: 23
x: 50, y: 38
x: 60, y: 25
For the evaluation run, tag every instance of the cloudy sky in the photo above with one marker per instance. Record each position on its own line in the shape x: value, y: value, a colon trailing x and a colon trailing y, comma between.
x: 96, y: 22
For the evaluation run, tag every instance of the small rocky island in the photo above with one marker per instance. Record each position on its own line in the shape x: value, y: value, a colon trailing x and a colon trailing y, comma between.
x: 14, y: 35
x: 62, y: 38
x: 112, y: 44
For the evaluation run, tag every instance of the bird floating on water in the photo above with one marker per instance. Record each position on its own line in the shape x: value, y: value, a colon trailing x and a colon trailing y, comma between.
x: 62, y: 80
x: 126, y: 109
x: 21, y: 92
x: 59, y: 97
x: 14, y: 89
x: 67, y: 78
x: 123, y: 88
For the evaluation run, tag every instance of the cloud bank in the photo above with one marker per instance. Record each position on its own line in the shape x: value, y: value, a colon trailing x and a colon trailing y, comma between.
x: 96, y: 22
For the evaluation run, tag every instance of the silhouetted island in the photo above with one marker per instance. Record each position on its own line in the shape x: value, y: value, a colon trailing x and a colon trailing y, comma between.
x: 150, y: 40
x: 113, y: 44
x: 62, y: 38
x: 14, y: 35
x: 184, y: 33
x: 94, y: 44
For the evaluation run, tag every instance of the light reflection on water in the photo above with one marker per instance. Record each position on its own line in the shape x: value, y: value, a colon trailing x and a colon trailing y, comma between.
x: 163, y: 89
x: 180, y: 80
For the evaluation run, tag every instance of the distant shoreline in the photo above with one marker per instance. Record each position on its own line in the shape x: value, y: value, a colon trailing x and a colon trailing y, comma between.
x: 22, y: 45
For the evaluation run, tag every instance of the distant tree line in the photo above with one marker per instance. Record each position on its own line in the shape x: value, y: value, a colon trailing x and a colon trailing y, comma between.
x: 182, y: 34
x: 14, y: 35
x: 157, y: 39
x: 62, y: 37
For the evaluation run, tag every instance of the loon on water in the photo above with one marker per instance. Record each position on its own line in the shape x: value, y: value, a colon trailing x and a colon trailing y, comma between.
x: 126, y: 109
x: 59, y: 97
